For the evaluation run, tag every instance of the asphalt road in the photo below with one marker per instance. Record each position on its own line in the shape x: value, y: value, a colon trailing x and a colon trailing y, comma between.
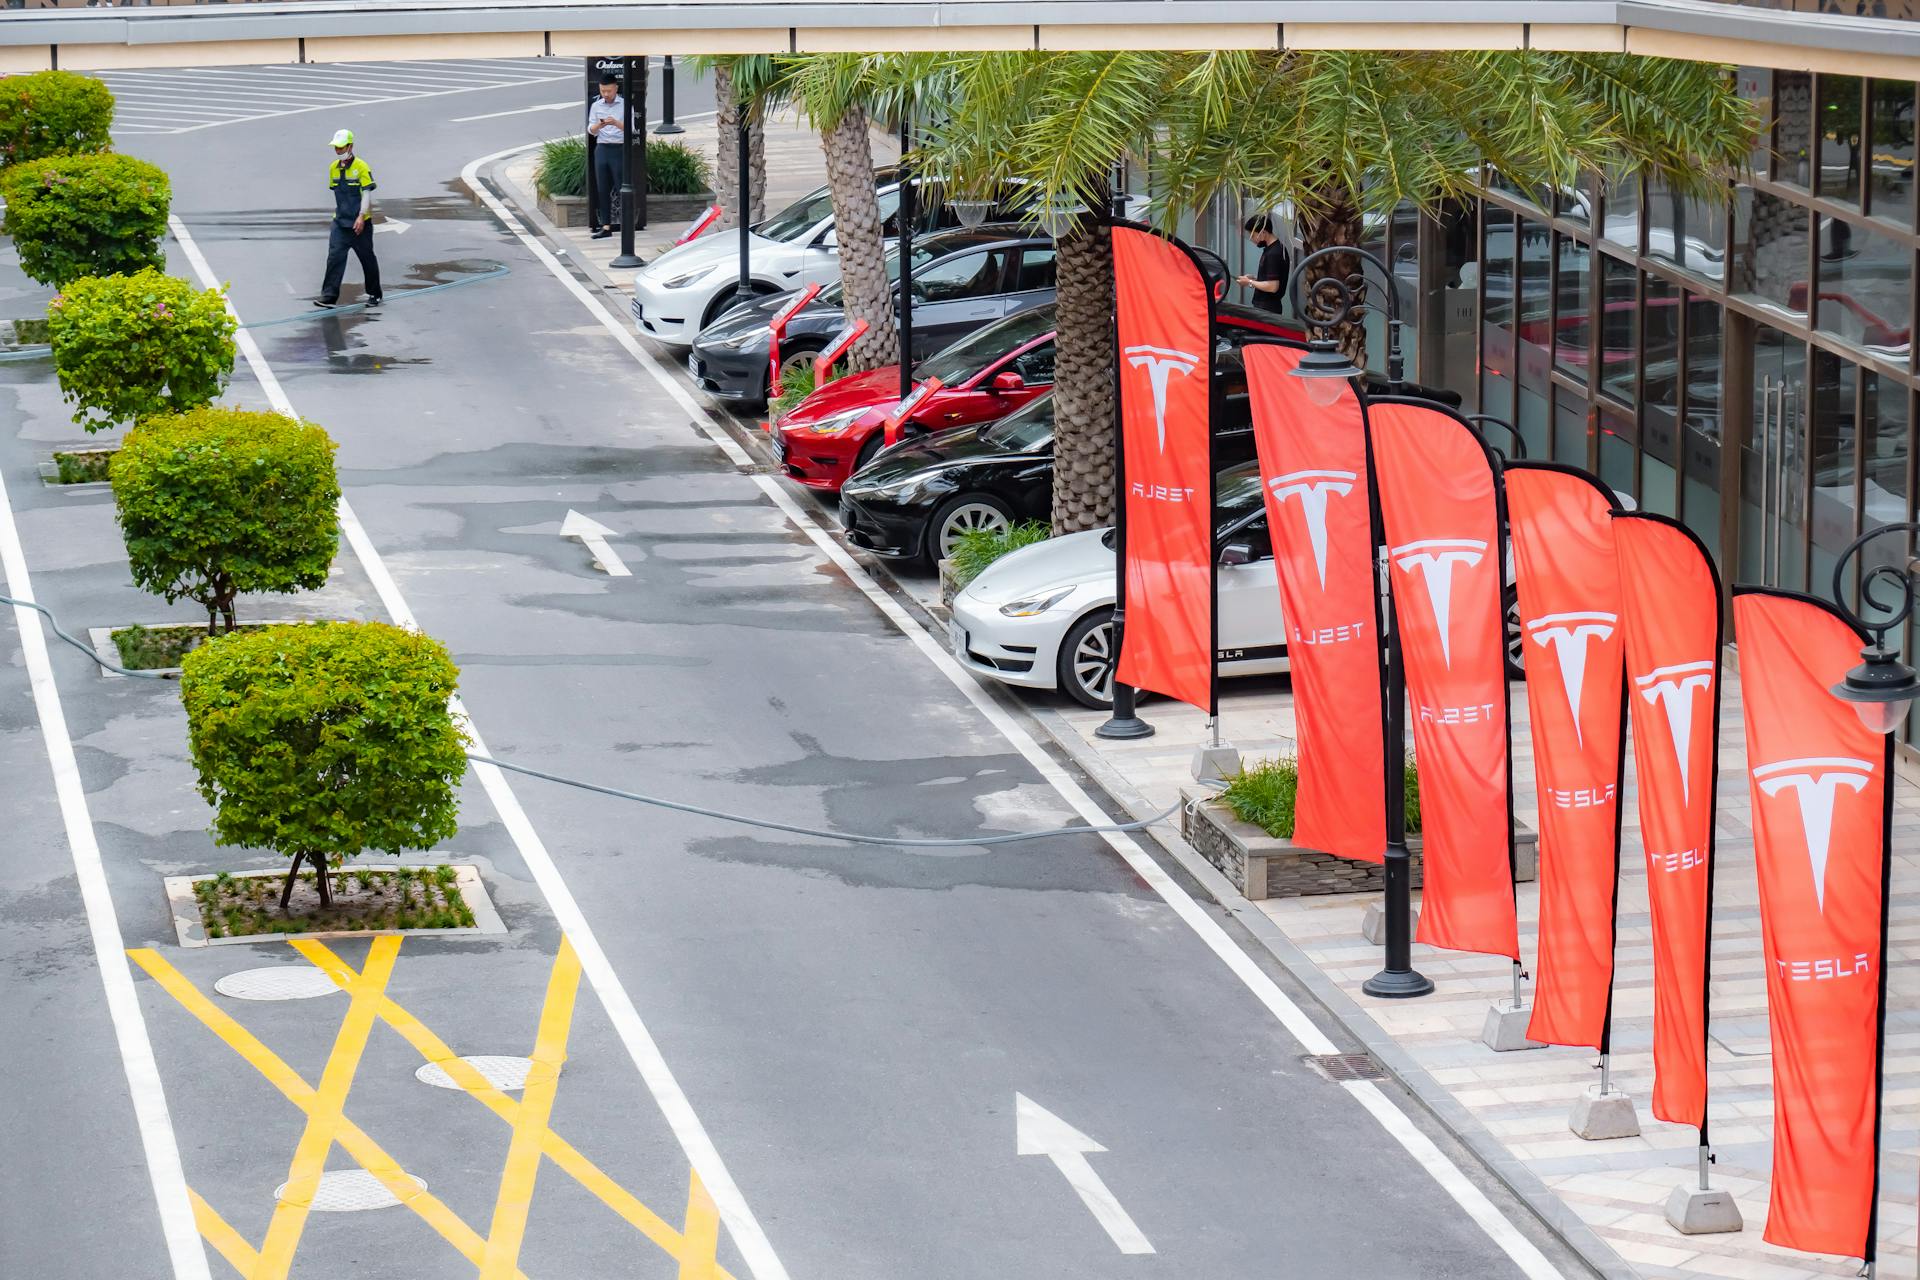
x: 848, y: 1026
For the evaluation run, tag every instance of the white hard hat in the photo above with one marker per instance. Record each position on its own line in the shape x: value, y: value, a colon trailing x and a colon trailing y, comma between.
x: 343, y: 138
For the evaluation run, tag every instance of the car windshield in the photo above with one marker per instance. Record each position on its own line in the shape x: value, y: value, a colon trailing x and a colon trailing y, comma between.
x: 1026, y: 430
x: 921, y: 257
x: 798, y: 218
x: 973, y: 353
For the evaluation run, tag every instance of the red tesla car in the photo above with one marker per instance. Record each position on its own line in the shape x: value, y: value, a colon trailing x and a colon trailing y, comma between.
x: 986, y: 375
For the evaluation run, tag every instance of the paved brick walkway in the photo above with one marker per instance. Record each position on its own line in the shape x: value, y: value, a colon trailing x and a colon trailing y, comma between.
x: 1618, y: 1187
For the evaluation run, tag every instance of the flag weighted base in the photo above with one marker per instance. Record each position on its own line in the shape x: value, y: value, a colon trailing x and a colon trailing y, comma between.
x: 1695, y: 1212
x: 1373, y: 924
x: 1506, y: 1028
x: 1599, y: 1116
x: 1217, y: 763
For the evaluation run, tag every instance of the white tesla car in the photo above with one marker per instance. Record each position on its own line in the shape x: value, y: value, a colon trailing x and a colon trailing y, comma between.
x: 686, y: 288
x: 1042, y: 617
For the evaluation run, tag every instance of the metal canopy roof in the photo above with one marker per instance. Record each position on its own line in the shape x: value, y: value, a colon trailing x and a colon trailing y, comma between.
x: 168, y: 34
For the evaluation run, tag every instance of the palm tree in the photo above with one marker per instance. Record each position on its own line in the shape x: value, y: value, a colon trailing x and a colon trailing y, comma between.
x: 726, y: 169
x: 1337, y: 134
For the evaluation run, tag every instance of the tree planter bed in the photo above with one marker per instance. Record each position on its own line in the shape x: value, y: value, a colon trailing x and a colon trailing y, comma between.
x: 571, y: 211
x: 69, y: 467
x: 1264, y: 866
x: 198, y: 905
x: 167, y: 641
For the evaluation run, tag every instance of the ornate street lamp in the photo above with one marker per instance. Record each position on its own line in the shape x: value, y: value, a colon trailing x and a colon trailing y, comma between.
x: 1882, y: 687
x: 1329, y: 302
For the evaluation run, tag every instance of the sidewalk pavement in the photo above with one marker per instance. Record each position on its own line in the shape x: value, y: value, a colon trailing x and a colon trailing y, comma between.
x: 794, y: 167
x: 1521, y: 1100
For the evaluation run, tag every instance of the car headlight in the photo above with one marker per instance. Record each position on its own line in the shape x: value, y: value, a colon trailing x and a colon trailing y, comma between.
x: 1034, y: 604
x: 686, y: 278
x: 742, y: 339
x: 835, y: 425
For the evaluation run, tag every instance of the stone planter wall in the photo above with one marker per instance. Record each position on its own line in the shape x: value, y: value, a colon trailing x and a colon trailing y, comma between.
x: 571, y: 211
x: 1262, y: 866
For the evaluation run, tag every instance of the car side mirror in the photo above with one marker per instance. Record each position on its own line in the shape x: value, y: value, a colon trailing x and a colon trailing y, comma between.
x: 1005, y: 382
x: 830, y: 240
x: 1235, y: 553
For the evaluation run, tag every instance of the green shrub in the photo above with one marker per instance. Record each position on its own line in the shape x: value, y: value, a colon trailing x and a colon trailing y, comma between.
x: 53, y: 113
x: 796, y: 384
x: 220, y: 501
x: 324, y: 741
x: 74, y: 216
x: 1264, y: 795
x: 978, y: 548
x: 673, y: 168
x: 130, y: 347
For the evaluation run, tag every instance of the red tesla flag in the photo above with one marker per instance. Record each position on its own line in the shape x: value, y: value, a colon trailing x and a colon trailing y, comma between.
x: 1313, y: 465
x: 1165, y: 328
x: 1439, y: 503
x: 1670, y: 610
x: 1819, y: 785
x: 1569, y: 590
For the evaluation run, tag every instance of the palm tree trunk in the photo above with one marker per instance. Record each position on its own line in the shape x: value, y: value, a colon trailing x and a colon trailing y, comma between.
x: 1083, y: 406
x: 726, y: 169
x: 857, y: 227
x: 1334, y: 218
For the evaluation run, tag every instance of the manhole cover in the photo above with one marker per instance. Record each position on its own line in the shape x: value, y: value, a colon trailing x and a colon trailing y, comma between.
x: 283, y: 982
x: 351, y: 1190
x: 1342, y: 1067
x: 504, y: 1074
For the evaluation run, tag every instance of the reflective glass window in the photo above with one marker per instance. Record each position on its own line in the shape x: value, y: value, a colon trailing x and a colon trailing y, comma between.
x: 1792, y: 127
x: 1842, y: 138
x: 1832, y: 513
x: 1534, y: 323
x: 1572, y: 350
x: 1700, y: 423
x: 1569, y: 427
x: 1884, y: 447
x: 1496, y: 313
x: 1617, y: 454
x: 1619, y: 328
x: 1690, y: 233
x: 1575, y: 203
x: 1660, y: 382
x: 1770, y: 251
x: 1890, y: 167
x: 1866, y: 289
x: 1459, y: 275
x: 1623, y: 210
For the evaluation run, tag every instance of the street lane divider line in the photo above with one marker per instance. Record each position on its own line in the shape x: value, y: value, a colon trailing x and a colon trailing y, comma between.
x: 1290, y: 1015
x: 371, y: 1156
x: 159, y: 1144
x: 329, y: 1111
x: 748, y: 1236
x: 703, y: 1234
x: 688, y: 1248
x: 221, y: 1235
x: 514, y: 1202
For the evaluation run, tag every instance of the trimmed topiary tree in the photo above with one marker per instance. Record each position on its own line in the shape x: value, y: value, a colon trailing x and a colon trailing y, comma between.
x: 132, y: 347
x: 220, y: 501
x: 323, y: 741
x: 53, y: 113
x: 73, y: 216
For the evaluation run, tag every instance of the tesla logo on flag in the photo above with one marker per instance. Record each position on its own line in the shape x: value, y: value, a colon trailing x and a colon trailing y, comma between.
x: 1313, y: 488
x: 1434, y: 559
x: 1568, y: 634
x: 1159, y: 362
x: 1815, y: 781
x: 1673, y: 689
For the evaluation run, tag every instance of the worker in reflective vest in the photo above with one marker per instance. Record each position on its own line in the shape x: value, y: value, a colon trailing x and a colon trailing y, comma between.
x: 352, y: 228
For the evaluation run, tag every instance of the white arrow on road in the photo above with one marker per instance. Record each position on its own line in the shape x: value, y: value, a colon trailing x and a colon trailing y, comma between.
x: 1039, y: 1132
x: 391, y: 224
x: 594, y: 536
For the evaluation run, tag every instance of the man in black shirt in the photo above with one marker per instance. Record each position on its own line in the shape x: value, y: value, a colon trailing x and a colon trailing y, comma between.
x: 1269, y: 282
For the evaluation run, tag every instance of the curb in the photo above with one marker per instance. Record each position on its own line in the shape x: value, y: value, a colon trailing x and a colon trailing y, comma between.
x: 542, y: 225
x: 1555, y: 1217
x: 1512, y: 1173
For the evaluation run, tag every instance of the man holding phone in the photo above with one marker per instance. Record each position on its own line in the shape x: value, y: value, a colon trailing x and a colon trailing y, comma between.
x: 351, y: 182
x: 606, y: 126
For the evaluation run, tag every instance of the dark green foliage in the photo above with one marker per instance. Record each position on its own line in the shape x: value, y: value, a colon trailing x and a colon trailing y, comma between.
x: 1264, y: 795
x: 325, y: 740
x: 220, y: 501
x: 53, y: 113
x: 130, y: 347
x: 85, y: 215
x: 796, y: 384
x: 978, y: 548
x: 673, y: 168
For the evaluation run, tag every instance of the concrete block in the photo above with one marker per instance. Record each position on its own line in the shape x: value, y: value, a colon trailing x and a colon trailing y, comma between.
x: 1506, y: 1029
x: 1598, y: 1116
x: 1693, y: 1212
x: 1373, y: 923
x: 1216, y: 764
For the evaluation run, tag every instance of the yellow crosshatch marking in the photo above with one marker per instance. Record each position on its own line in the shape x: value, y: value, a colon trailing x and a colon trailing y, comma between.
x: 496, y: 1256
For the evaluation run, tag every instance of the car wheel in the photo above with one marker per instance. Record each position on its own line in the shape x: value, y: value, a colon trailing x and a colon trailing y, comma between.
x: 725, y: 299
x: 874, y: 444
x: 801, y: 359
x: 1516, y: 640
x: 958, y: 516
x: 1085, y: 664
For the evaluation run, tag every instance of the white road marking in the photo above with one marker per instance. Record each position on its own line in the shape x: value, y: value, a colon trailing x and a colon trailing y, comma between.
x: 521, y: 111
x: 1457, y: 1185
x: 593, y: 535
x: 674, y: 1105
x: 149, y: 1096
x: 1039, y: 1132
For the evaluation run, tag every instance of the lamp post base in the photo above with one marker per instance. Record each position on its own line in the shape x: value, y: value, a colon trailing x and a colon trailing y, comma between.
x: 628, y: 260
x: 1398, y: 984
x: 1124, y: 727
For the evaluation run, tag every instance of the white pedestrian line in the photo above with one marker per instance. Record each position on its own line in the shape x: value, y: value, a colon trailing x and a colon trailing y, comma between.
x: 641, y: 1047
x: 580, y: 103
x: 1464, y: 1192
x: 157, y: 1139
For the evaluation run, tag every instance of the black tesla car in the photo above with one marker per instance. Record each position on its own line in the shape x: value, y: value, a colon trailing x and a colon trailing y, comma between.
x: 962, y: 279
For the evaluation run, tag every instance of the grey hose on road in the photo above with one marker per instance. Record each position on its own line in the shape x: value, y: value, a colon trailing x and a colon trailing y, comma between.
x: 680, y: 806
